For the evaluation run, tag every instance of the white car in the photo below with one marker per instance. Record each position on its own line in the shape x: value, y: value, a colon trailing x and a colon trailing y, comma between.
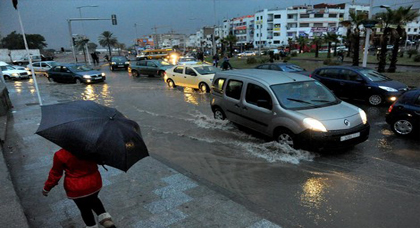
x: 42, y: 67
x: 9, y: 72
x: 247, y: 53
x: 187, y: 61
x: 197, y: 76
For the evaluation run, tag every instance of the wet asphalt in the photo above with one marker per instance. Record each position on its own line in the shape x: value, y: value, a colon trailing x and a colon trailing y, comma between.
x: 374, y: 184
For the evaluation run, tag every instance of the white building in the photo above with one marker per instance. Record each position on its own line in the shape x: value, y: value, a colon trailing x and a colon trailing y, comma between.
x: 191, y: 42
x: 273, y: 27
x: 413, y: 29
x: 243, y: 29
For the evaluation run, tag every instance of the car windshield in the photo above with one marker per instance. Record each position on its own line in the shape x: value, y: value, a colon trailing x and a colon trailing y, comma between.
x: 119, y: 59
x: 206, y: 70
x: 53, y: 64
x: 291, y: 68
x: 186, y: 59
x: 7, y: 68
x: 303, y: 95
x: 374, y: 76
x: 80, y: 68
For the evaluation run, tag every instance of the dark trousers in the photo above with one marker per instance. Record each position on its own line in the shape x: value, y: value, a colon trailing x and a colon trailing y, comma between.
x: 86, y: 205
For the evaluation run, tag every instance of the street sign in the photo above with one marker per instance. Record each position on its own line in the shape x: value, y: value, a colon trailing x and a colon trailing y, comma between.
x: 369, y: 23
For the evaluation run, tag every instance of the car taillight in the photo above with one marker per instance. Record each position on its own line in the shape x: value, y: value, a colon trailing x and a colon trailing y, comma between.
x: 391, y: 107
x: 310, y: 75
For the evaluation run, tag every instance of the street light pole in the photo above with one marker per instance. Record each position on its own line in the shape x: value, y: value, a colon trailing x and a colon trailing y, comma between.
x: 367, y: 40
x: 214, y: 28
x: 80, y: 14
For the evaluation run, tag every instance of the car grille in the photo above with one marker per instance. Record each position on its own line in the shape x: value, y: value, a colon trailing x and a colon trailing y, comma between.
x: 23, y: 74
x: 96, y: 76
x: 347, y: 131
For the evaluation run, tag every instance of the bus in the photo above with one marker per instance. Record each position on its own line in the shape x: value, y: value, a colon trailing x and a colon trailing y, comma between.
x: 154, y: 54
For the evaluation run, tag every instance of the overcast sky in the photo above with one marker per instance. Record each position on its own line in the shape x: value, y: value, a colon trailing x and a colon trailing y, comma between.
x: 49, y: 17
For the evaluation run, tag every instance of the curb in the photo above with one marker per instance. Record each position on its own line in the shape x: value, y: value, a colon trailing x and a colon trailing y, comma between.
x: 10, y: 206
x: 347, y: 61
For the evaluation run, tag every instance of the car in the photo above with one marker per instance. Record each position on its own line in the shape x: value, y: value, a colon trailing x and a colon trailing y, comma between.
x: 117, y: 62
x: 247, y: 54
x: 342, y: 48
x: 75, y: 73
x: 16, y: 67
x: 149, y: 67
x: 10, y: 72
x: 198, y: 76
x: 404, y: 114
x: 360, y: 83
x: 187, y: 61
x: 35, y: 58
x: 291, y: 108
x: 43, y: 66
x: 286, y: 67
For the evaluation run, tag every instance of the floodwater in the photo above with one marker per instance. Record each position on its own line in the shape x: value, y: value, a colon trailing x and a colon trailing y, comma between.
x: 374, y: 184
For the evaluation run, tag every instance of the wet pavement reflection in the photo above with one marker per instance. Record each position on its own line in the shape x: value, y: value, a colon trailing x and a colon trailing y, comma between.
x: 374, y: 184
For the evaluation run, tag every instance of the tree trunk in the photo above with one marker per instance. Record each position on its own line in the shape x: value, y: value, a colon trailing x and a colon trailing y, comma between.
x: 335, y: 49
x: 329, y: 50
x: 84, y: 54
x: 384, y: 43
x: 356, y: 38
x: 109, y: 50
x: 350, y: 48
x: 316, y: 50
x: 394, y: 59
x: 231, y: 49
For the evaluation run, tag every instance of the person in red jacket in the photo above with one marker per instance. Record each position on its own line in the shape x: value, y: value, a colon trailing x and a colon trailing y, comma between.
x: 82, y: 183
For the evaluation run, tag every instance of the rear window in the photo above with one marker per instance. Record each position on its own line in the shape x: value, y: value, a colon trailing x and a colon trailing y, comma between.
x: 233, y: 89
x: 179, y: 70
x: 218, y: 85
x: 329, y: 73
x: 374, y: 75
x: 291, y: 68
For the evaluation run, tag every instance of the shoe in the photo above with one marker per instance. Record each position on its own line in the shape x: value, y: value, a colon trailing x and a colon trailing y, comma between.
x: 106, y: 221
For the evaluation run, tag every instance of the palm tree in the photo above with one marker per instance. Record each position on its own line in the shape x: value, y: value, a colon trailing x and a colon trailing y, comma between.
x: 353, y: 24
x: 302, y: 41
x: 231, y: 39
x: 106, y: 39
x: 318, y: 42
x: 402, y: 16
x: 80, y: 45
x: 329, y: 38
x: 386, y: 19
x: 291, y: 42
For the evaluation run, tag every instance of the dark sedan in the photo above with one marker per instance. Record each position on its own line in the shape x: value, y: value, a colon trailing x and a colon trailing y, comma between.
x: 286, y: 67
x: 75, y: 73
x: 404, y: 114
x: 118, y: 62
x: 149, y: 67
x: 360, y: 83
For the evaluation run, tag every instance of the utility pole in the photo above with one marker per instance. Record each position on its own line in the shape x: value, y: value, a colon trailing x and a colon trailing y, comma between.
x: 214, y: 29
x: 367, y: 40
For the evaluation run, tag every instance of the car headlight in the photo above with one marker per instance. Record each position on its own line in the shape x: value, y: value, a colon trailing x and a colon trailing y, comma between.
x: 15, y: 74
x: 86, y: 76
x: 113, y: 63
x: 389, y: 89
x: 27, y: 68
x: 103, y: 74
x: 127, y: 62
x: 314, y: 125
x: 363, y: 116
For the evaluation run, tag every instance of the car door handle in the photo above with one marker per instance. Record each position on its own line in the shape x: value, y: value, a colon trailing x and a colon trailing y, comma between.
x: 236, y: 105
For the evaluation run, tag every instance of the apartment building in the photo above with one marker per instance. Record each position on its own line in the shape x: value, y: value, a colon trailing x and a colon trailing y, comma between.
x: 413, y: 29
x: 273, y: 27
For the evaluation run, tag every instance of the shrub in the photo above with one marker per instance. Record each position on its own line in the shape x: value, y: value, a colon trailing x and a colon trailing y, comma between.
x: 412, y: 52
x: 251, y: 60
x: 330, y: 62
x: 264, y: 60
x: 287, y: 58
x: 417, y: 58
x: 293, y: 54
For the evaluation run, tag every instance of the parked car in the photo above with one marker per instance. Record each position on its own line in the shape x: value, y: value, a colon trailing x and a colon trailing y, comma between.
x: 16, y: 67
x: 293, y: 109
x: 187, y: 61
x: 404, y: 115
x: 117, y: 62
x: 360, y: 83
x: 75, y: 73
x: 43, y: 66
x: 149, y: 67
x: 10, y: 72
x: 247, y: 54
x: 286, y: 67
x: 35, y: 58
x: 199, y: 76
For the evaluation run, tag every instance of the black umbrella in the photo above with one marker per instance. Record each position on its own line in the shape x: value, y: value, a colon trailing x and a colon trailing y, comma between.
x: 93, y: 131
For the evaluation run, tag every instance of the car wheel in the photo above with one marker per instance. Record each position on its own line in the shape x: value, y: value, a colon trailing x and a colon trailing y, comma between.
x: 135, y: 73
x: 375, y: 100
x: 402, y: 127
x: 171, y: 83
x: 219, y: 114
x: 162, y: 73
x: 6, y: 77
x: 78, y: 81
x: 203, y: 87
x: 285, y: 136
x: 111, y: 68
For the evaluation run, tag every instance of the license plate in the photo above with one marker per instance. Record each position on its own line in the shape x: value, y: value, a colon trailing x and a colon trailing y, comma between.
x: 120, y: 65
x: 351, y: 136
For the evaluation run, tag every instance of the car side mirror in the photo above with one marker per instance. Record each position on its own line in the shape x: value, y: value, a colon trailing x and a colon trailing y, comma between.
x: 193, y: 74
x: 263, y: 103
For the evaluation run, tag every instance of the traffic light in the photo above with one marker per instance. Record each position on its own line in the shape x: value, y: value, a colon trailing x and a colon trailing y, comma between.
x: 114, y: 19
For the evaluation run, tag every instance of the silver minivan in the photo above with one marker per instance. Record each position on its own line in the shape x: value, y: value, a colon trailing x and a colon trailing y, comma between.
x: 291, y: 108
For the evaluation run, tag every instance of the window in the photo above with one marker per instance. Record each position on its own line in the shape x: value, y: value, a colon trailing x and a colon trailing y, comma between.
x: 277, y: 42
x: 57, y: 69
x: 234, y: 89
x: 417, y: 102
x: 318, y: 15
x: 304, y: 16
x: 350, y: 75
x: 332, y: 24
x: 277, y: 16
x: 190, y: 72
x: 258, y: 18
x: 317, y: 24
x: 258, y: 96
x: 44, y: 65
x: 329, y: 73
x: 304, y: 25
x: 415, y: 30
x: 179, y: 69
x: 218, y: 85
x: 141, y: 63
x: 332, y: 15
x: 409, y: 29
x: 64, y: 69
x: 341, y: 15
x: 290, y: 16
x: 276, y: 34
x: 151, y: 64
x: 35, y: 64
x: 264, y: 67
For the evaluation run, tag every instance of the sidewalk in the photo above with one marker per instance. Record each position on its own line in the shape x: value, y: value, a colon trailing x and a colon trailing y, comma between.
x: 150, y: 195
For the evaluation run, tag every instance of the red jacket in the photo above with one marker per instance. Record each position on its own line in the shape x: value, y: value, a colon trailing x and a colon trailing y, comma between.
x: 82, y: 177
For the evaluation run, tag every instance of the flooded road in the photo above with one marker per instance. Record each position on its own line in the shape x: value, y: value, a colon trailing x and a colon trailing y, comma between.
x: 374, y: 184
